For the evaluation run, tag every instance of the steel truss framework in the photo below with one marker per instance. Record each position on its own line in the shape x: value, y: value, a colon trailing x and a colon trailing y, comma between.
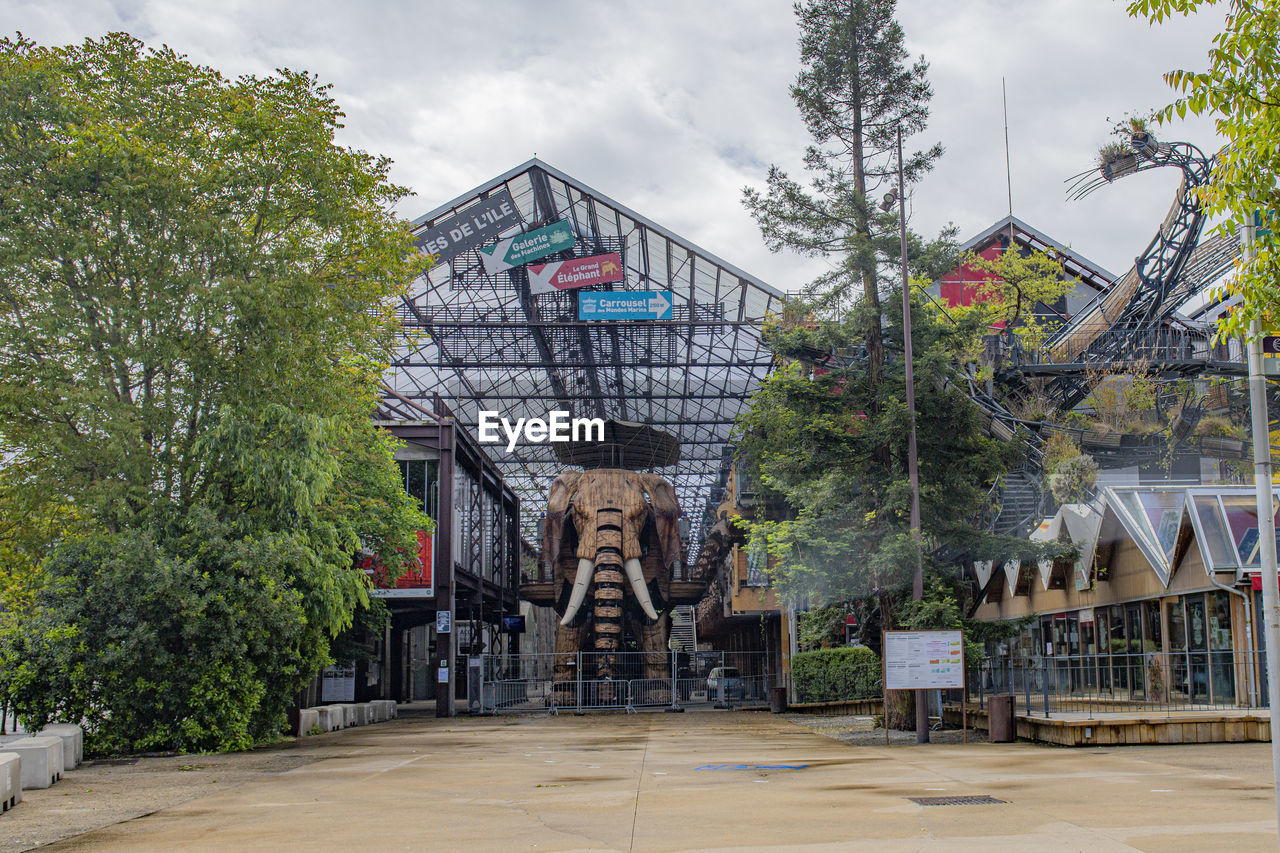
x: 486, y: 342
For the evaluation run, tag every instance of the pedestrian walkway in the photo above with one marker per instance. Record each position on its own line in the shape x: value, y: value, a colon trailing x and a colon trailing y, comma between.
x: 711, y: 781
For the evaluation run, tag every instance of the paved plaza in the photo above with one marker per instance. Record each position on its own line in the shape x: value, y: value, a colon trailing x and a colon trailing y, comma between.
x: 694, y: 781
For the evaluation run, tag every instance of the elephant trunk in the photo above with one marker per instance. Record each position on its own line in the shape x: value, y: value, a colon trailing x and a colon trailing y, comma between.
x: 609, y: 580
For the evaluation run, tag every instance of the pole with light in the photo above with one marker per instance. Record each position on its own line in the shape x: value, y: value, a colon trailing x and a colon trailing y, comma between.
x: 1266, y: 519
x: 917, y: 573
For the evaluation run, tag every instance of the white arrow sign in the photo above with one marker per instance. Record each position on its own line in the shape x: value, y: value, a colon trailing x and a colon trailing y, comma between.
x: 660, y: 305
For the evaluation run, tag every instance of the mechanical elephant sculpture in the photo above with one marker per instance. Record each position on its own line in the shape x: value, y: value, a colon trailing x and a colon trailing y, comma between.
x: 612, y: 540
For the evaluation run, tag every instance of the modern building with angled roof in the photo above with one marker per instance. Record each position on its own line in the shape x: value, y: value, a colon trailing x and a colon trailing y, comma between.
x: 500, y: 340
x: 543, y: 294
x: 1162, y: 606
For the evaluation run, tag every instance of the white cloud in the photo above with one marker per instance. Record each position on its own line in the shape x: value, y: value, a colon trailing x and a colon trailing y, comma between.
x: 671, y: 107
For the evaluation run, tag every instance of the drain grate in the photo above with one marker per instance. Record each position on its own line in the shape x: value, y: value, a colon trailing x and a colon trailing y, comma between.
x: 975, y: 800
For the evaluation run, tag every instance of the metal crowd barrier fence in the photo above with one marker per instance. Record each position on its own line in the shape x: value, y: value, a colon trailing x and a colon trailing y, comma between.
x: 1192, y: 680
x: 626, y: 681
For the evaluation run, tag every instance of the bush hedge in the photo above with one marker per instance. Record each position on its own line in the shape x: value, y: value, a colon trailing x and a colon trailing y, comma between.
x: 835, y: 675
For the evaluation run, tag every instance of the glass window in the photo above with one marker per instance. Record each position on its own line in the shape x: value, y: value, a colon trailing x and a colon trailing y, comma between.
x: 415, y: 481
x: 1118, y: 645
x: 1220, y: 623
x: 1242, y: 519
x: 1197, y: 637
x: 1163, y: 511
x: 432, y: 507
x: 1177, y: 625
x: 1151, y: 624
x: 1221, y: 553
x: 1221, y: 660
x: 1088, y: 639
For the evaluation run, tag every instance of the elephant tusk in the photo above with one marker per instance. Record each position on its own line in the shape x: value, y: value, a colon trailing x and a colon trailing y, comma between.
x: 636, y: 576
x: 581, y: 581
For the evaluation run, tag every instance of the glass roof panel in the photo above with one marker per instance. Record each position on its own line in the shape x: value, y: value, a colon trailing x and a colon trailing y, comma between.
x: 1221, y: 553
x: 487, y: 341
x: 1242, y: 519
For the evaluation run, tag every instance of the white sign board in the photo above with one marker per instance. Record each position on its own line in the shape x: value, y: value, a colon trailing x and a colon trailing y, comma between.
x: 444, y: 621
x: 923, y: 660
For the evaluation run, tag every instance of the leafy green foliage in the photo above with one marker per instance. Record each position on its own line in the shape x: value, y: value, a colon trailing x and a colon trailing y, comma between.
x: 835, y: 675
x: 197, y: 292
x: 193, y: 645
x: 1074, y: 479
x: 1240, y: 89
x: 833, y: 446
x: 1017, y: 283
x: 821, y: 627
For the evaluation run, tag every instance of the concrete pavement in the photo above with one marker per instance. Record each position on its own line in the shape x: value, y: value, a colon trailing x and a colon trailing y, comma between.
x: 711, y: 781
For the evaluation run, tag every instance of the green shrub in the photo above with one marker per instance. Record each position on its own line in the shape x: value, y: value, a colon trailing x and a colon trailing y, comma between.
x: 1074, y: 479
x: 834, y: 675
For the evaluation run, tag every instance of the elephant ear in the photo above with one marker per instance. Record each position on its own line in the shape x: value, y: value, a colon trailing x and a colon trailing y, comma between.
x: 666, y: 515
x: 562, y: 491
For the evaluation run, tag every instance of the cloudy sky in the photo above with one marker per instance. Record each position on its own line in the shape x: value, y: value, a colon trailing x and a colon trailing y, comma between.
x: 671, y: 108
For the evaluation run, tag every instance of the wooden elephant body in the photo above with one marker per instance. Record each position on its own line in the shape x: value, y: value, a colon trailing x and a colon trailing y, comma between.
x: 612, y: 537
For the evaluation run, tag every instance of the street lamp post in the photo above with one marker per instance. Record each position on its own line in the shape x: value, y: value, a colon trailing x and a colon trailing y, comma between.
x: 1261, y: 437
x: 917, y: 573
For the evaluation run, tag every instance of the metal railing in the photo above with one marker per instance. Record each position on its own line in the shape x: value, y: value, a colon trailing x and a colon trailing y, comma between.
x: 1159, y: 682
x: 636, y: 680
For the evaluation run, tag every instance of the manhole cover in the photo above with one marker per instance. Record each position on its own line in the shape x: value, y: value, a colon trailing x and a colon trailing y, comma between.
x: 976, y: 800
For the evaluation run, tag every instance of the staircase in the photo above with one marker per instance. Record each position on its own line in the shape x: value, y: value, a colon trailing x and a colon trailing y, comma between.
x: 1020, y: 500
x: 683, y: 635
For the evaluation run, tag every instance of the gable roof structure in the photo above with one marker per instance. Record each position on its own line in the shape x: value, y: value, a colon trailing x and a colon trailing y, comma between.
x: 1093, y: 275
x: 478, y: 340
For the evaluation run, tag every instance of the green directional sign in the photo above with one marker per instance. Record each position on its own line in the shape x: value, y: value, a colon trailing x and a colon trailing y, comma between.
x: 526, y: 247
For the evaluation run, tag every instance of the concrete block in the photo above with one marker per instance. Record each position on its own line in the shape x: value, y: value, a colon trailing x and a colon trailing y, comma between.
x: 308, y: 718
x: 72, y: 737
x: 348, y: 713
x: 330, y: 717
x: 363, y: 713
x: 10, y: 780
x: 383, y: 709
x: 41, y: 759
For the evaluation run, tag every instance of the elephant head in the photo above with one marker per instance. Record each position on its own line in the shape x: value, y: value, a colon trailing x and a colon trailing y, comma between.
x: 611, y: 535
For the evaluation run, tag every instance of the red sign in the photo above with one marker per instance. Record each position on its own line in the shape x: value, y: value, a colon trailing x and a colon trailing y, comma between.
x: 1256, y: 582
x: 579, y: 272
x: 418, y: 580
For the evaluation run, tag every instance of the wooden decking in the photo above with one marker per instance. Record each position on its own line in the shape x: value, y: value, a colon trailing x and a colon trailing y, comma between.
x: 1118, y: 728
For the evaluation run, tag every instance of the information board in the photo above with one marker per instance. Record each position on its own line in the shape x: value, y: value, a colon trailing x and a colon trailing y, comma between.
x: 923, y: 660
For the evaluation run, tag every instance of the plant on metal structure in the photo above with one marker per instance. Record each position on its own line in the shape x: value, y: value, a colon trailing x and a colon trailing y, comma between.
x: 1240, y: 90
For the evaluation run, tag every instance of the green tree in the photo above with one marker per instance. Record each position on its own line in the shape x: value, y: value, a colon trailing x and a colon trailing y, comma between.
x: 814, y: 437
x: 197, y: 292
x: 1240, y: 89
x: 855, y: 89
x: 1016, y: 283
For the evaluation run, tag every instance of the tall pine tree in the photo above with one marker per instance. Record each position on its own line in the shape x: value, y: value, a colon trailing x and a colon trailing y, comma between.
x: 856, y: 86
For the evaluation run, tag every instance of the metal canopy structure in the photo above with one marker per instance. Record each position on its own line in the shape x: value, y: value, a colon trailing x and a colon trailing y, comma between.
x: 490, y: 340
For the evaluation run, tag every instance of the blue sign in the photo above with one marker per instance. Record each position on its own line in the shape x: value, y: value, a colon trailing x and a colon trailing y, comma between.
x: 1262, y: 222
x: 625, y: 305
